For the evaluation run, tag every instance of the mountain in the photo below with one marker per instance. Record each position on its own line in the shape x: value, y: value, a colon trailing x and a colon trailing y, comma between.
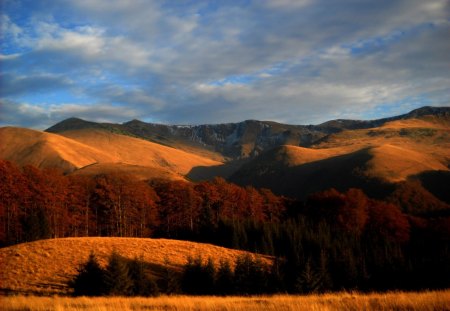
x: 292, y: 160
x: 232, y: 141
x: 238, y: 141
x: 44, y: 267
x: 374, y: 159
x: 93, y: 151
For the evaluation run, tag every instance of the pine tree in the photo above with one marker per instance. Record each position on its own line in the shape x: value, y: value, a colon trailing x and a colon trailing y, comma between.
x: 142, y: 285
x: 170, y: 284
x: 224, y: 279
x: 276, y: 282
x: 310, y: 280
x: 198, y: 279
x: 117, y: 278
x: 90, y: 280
x: 243, y: 275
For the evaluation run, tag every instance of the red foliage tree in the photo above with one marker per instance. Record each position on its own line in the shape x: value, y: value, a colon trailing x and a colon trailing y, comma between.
x: 179, y: 206
x: 387, y: 220
x: 122, y: 206
x: 348, y: 211
x: 273, y: 206
x: 13, y: 195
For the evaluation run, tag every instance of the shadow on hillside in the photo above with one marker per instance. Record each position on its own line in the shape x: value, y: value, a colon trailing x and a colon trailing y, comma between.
x: 201, y: 173
x: 437, y: 183
x: 339, y: 172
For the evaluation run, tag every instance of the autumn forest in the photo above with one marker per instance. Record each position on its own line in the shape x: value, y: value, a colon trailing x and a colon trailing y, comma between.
x: 330, y: 241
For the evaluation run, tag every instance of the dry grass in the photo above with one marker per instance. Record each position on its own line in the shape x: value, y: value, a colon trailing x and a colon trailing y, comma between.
x: 140, y: 152
x: 432, y: 300
x: 399, y: 149
x: 98, y: 151
x: 44, y: 267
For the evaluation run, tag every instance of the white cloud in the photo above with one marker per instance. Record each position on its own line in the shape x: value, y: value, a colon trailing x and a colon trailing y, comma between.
x: 303, y: 61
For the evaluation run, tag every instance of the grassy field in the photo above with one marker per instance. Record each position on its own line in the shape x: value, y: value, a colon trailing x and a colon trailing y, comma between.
x: 45, y: 267
x: 432, y: 300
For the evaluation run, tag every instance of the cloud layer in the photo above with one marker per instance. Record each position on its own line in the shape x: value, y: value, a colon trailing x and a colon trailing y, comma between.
x: 221, y: 61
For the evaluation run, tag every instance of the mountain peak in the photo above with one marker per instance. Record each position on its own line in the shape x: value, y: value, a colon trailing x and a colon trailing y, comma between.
x: 72, y: 124
x: 428, y: 110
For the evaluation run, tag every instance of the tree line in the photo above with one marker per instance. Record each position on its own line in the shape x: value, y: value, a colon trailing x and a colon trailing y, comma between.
x: 37, y: 204
x: 332, y: 241
x: 124, y: 277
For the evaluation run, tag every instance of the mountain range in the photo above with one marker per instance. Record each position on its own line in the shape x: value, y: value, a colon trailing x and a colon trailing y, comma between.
x: 292, y: 160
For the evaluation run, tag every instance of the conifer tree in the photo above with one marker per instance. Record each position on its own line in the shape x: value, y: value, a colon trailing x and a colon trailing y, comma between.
x: 242, y: 275
x: 198, y: 279
x: 310, y: 280
x: 142, y: 285
x: 170, y: 284
x: 117, y: 278
x: 90, y: 280
x: 224, y: 279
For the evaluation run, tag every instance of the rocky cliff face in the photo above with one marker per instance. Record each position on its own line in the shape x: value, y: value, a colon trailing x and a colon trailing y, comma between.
x: 234, y: 140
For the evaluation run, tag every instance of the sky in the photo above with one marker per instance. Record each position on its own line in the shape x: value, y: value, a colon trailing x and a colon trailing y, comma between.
x: 198, y: 62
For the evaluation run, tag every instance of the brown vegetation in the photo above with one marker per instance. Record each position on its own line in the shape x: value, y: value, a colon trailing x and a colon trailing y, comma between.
x: 44, y: 267
x: 96, y: 150
x: 362, y: 158
x: 423, y: 301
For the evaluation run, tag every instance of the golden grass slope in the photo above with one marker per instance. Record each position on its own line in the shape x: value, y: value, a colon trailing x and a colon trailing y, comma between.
x: 136, y: 151
x: 360, y: 158
x: 413, y: 301
x: 45, y: 150
x: 97, y: 151
x: 399, y: 148
x: 45, y: 266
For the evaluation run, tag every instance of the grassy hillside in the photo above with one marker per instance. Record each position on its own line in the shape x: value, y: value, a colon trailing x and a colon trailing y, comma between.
x: 45, y: 266
x: 362, y: 158
x: 95, y: 151
x: 46, y: 150
x: 140, y: 152
x: 434, y: 300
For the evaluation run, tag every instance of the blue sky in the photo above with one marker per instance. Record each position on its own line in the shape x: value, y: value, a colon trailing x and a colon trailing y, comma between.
x: 195, y: 62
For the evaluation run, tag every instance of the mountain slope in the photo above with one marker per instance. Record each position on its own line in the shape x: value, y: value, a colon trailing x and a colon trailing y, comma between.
x: 373, y: 159
x: 45, y: 266
x: 97, y: 151
x: 243, y: 140
x: 46, y: 150
x: 136, y: 151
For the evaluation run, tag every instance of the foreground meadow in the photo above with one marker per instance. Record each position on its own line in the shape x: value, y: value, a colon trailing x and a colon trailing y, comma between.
x: 432, y: 300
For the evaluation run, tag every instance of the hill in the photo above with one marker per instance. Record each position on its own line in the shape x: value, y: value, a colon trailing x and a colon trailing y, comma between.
x: 46, y: 150
x: 373, y: 159
x: 95, y: 151
x: 45, y: 266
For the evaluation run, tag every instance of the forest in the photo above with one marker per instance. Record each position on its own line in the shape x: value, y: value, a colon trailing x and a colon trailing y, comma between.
x: 329, y: 242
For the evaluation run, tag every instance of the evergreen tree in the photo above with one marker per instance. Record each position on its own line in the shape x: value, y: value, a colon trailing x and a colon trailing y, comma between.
x: 142, y: 285
x: 258, y: 277
x: 310, y: 280
x: 224, y: 279
x: 170, y: 283
x: 241, y: 274
x: 198, y: 279
x: 90, y: 280
x: 276, y: 282
x: 117, y: 278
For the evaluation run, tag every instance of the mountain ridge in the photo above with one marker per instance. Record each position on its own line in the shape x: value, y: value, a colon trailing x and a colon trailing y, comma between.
x: 291, y: 160
x: 242, y: 140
